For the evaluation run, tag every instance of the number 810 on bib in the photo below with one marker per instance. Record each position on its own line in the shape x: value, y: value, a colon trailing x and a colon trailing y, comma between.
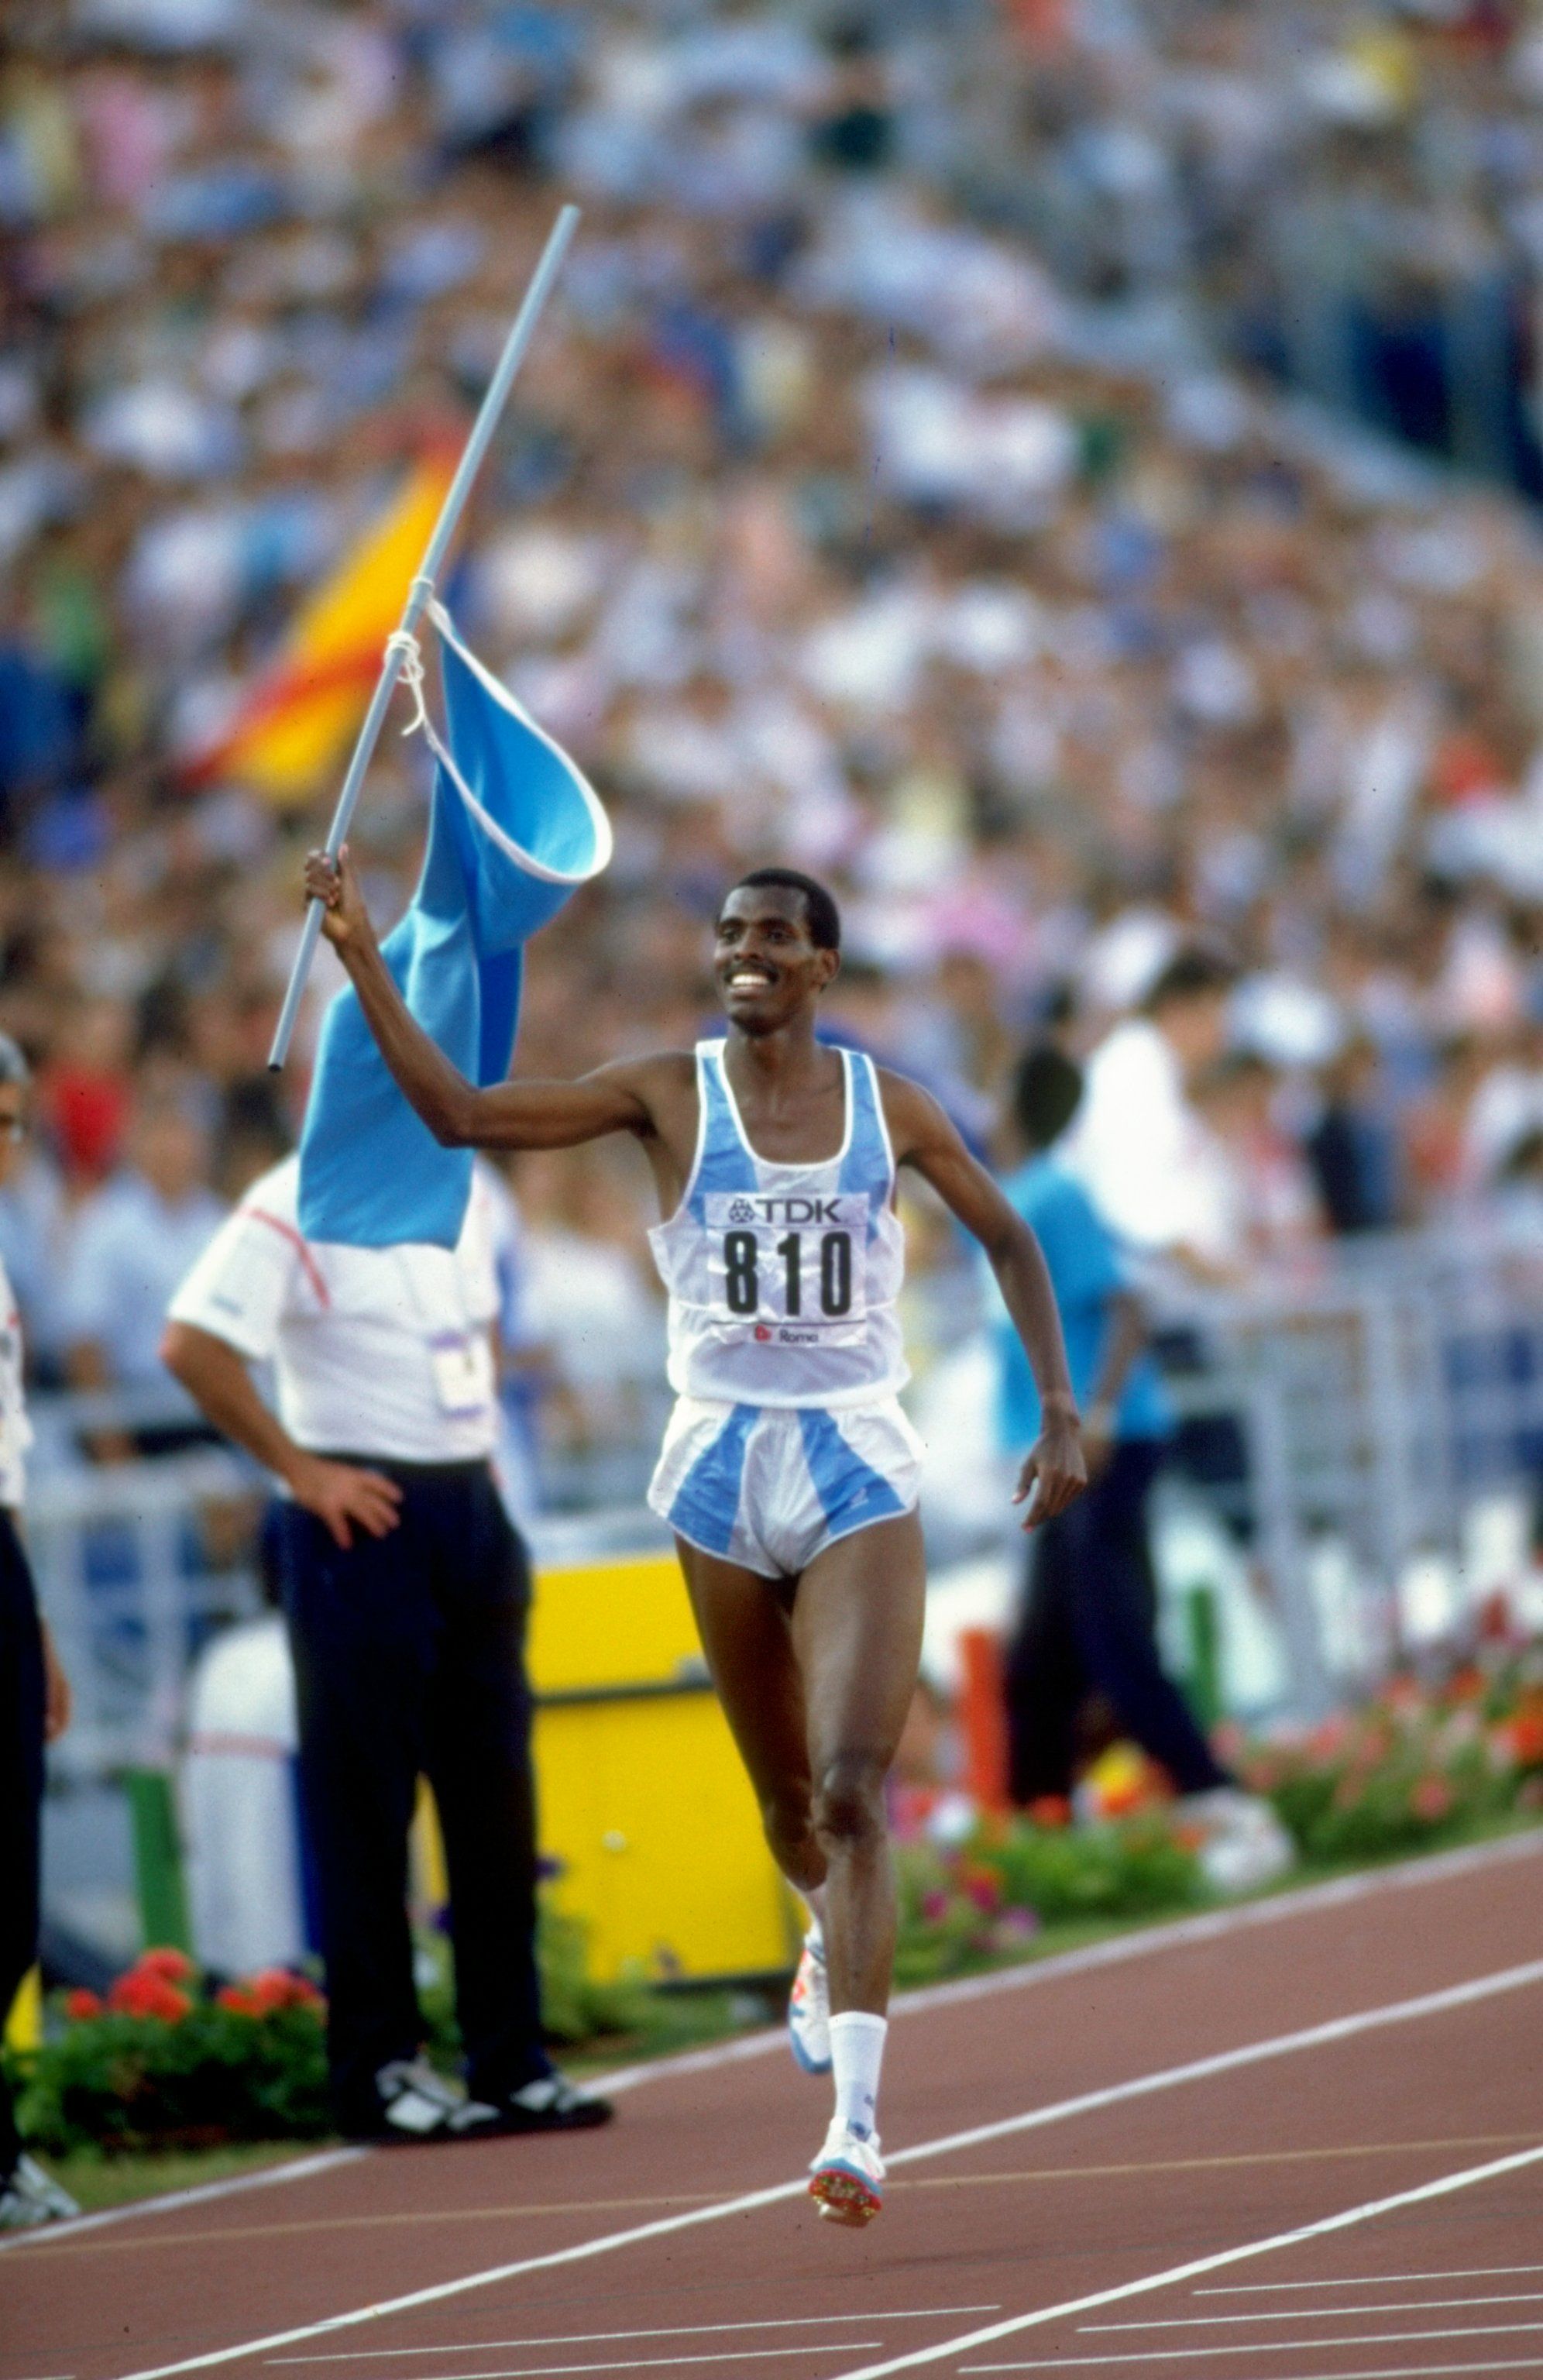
x: 795, y: 1267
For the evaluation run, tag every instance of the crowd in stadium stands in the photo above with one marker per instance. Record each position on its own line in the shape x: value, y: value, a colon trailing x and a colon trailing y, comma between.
x: 1352, y: 197
x: 831, y: 524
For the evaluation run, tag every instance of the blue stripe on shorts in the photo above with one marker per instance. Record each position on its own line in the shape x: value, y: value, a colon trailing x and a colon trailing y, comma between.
x: 707, y: 1503
x: 851, y: 1492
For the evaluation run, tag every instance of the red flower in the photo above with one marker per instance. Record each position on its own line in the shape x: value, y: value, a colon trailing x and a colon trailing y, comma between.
x: 79, y: 2005
x: 139, y: 1993
x: 1527, y: 1736
x: 264, y: 1994
x: 171, y: 1966
x: 1431, y: 1798
x: 1050, y: 1810
x: 983, y: 1886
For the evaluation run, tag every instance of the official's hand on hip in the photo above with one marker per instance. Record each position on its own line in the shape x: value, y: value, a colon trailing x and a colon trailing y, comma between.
x: 344, y: 1497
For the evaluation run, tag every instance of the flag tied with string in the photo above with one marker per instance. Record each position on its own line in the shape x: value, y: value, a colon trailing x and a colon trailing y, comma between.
x: 513, y: 828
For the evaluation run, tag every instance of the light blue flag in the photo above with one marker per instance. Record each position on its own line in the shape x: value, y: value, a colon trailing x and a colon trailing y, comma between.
x: 513, y: 828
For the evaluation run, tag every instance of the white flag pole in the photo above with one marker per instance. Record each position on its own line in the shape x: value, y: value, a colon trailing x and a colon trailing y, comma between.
x: 419, y: 593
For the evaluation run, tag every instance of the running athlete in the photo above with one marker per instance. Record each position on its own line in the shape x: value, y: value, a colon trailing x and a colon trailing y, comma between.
x: 789, y: 1473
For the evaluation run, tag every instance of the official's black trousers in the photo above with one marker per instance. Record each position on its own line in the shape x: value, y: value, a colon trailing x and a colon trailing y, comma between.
x: 21, y: 1710
x: 409, y: 1660
x: 1089, y: 1620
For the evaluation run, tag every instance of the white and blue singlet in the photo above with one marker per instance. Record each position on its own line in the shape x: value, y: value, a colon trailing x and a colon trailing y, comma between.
x: 785, y: 1349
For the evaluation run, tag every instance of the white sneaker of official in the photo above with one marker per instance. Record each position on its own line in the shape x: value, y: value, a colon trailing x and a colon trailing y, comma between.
x: 30, y: 2197
x: 1243, y: 1845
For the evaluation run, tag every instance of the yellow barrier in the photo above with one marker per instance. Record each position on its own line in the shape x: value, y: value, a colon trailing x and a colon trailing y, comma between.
x: 642, y: 1797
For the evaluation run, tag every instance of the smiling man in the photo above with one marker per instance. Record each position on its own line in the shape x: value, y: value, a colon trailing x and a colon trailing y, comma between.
x: 789, y: 1473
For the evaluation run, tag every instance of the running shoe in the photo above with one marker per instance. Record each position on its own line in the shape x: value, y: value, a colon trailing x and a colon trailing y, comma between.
x: 809, y: 2011
x: 848, y: 2177
x: 30, y: 2197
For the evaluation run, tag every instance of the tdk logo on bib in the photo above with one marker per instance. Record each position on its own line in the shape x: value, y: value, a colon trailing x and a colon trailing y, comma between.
x: 786, y: 1211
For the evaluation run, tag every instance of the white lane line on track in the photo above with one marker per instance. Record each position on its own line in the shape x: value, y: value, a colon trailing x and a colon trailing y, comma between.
x: 672, y: 2363
x: 292, y: 2169
x: 1323, y: 2313
x: 1387, y: 2371
x: 1263, y: 2346
x: 595, y: 2337
x: 1323, y: 2228
x: 1403, y: 1875
x: 1140, y: 2086
x: 1372, y: 2280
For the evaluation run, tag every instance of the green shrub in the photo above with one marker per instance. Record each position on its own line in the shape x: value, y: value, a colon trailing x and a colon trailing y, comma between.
x: 245, y: 2065
x: 1422, y: 1763
x: 988, y: 1896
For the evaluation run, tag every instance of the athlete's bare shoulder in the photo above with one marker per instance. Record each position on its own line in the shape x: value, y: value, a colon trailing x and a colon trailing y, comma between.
x: 661, y: 1079
x: 659, y: 1089
x: 916, y: 1120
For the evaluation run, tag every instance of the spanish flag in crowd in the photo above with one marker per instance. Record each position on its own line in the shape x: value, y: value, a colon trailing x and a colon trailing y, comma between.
x: 297, y: 722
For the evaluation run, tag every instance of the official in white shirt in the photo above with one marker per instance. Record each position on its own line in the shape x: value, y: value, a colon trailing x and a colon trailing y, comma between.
x: 1146, y: 1157
x: 406, y: 1592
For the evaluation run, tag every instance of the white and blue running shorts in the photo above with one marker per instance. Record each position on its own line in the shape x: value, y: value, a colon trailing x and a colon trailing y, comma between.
x: 768, y: 1486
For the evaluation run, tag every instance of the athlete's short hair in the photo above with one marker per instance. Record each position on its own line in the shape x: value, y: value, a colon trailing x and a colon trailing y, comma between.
x: 820, y: 914
x: 1047, y: 1092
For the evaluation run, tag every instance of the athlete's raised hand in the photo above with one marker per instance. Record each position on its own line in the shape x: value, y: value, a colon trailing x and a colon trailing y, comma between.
x: 1054, y: 1471
x: 344, y: 918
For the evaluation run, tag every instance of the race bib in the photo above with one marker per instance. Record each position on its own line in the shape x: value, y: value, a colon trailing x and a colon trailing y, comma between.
x: 462, y: 1365
x: 792, y: 1271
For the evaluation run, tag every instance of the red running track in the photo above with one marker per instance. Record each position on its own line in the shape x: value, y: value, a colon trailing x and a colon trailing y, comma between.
x: 1301, y: 2140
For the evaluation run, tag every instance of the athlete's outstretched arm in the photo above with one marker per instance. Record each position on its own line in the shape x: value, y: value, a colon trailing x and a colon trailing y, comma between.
x: 510, y: 1115
x: 1054, y: 1471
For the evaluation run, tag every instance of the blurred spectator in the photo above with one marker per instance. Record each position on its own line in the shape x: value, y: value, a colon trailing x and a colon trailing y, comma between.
x: 1351, y: 1147
x: 133, y: 1241
x: 1520, y: 1202
x: 1507, y: 1107
x: 587, y: 1297
x: 1153, y: 1167
x: 1264, y: 1198
x: 85, y: 1089
x: 35, y: 1227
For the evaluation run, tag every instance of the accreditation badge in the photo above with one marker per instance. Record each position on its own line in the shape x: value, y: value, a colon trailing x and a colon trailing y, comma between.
x: 462, y: 1362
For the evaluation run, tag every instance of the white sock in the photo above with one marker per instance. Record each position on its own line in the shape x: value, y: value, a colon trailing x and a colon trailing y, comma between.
x: 856, y: 2053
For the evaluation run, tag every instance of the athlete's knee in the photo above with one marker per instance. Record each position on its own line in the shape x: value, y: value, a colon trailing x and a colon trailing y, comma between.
x: 849, y: 1799
x: 787, y: 1820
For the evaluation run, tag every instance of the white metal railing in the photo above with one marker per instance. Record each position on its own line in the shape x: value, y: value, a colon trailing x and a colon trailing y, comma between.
x: 1371, y: 1407
x: 136, y: 1564
x: 1376, y: 1406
